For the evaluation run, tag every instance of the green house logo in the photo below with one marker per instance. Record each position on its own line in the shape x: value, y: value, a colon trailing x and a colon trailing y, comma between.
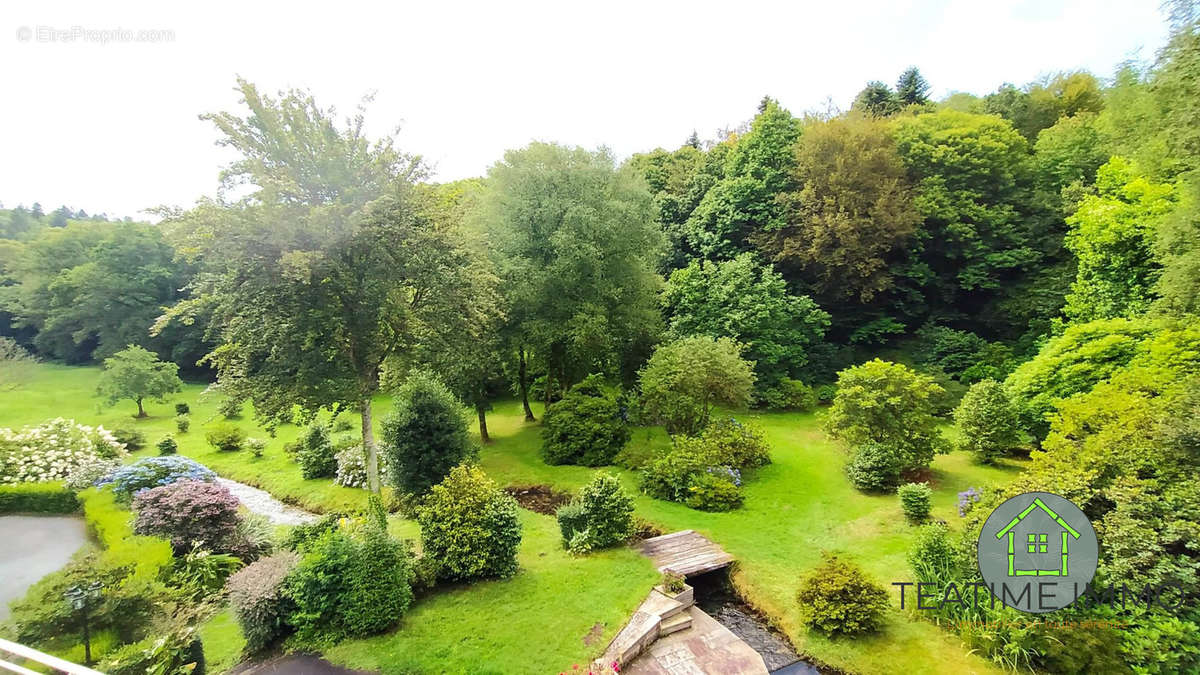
x: 1038, y: 543
x: 1037, y: 552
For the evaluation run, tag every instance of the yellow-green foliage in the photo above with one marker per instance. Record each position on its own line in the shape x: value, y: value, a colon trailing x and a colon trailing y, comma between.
x: 37, y: 498
x: 113, y: 528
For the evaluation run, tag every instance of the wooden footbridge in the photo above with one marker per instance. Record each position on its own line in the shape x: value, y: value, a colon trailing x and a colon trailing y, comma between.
x: 686, y: 552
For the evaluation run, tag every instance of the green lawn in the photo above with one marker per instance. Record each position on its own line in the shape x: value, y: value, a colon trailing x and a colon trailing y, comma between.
x: 798, y: 506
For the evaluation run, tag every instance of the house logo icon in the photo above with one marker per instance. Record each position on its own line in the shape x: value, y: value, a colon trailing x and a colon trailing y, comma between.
x: 1037, y: 552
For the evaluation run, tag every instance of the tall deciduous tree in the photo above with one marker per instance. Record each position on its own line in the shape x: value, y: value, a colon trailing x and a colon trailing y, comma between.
x: 136, y: 374
x: 326, y: 270
x: 757, y: 168
x: 685, y: 378
x: 749, y: 302
x: 852, y: 213
x: 575, y: 244
x: 1112, y: 237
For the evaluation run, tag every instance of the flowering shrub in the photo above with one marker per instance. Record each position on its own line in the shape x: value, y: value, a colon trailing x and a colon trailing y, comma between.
x: 48, y: 452
x: 351, y: 467
x: 255, y: 593
x: 154, y: 472
x: 85, y: 474
x: 692, y: 472
x: 187, y: 512
x: 967, y: 499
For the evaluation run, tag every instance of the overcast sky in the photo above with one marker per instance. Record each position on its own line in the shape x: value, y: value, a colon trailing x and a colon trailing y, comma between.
x: 112, y: 126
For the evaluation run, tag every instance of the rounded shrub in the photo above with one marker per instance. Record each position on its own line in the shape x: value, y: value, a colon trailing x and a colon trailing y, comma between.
x: 154, y: 472
x: 836, y: 597
x: 348, y: 585
x: 256, y: 596
x: 256, y: 446
x: 916, y: 501
x: 585, y: 427
x: 315, y: 452
x: 690, y: 473
x: 186, y: 512
x: 599, y: 517
x: 789, y: 394
x: 130, y: 435
x: 425, y: 435
x: 183, y: 423
x: 728, y: 442
x: 167, y: 446
x: 469, y: 527
x: 182, y: 409
x: 988, y: 422
x: 52, y: 450
x: 225, y: 437
x: 874, y: 467
x: 714, y: 491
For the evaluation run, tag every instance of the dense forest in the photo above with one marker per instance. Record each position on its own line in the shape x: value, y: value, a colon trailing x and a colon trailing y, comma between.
x: 1026, y: 263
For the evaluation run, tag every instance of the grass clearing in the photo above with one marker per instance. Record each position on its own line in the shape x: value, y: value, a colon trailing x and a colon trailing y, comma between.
x: 796, y: 507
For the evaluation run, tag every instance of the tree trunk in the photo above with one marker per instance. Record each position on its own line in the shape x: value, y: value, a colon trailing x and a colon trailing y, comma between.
x: 481, y: 411
x: 141, y: 410
x: 524, y: 385
x: 368, y: 439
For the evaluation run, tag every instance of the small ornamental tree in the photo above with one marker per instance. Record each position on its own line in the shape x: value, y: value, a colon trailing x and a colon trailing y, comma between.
x: 425, y: 435
x: 988, y: 422
x: 889, y: 404
x: 599, y: 517
x: 186, y: 512
x: 137, y: 374
x: 685, y: 378
x: 836, y: 597
x: 470, y: 529
x: 585, y: 427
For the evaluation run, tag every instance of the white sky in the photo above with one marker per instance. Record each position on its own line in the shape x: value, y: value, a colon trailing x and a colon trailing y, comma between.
x: 113, y: 127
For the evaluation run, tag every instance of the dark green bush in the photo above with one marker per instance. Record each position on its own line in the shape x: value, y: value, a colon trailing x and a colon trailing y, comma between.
x: 225, y: 437
x: 585, y: 427
x: 425, y: 435
x: 599, y: 517
x: 789, y: 394
x: 469, y: 527
x: 348, y: 586
x: 836, y: 597
x: 916, y: 501
x: 874, y: 467
x: 167, y: 446
x: 182, y: 409
x: 315, y: 452
x: 130, y: 435
x: 37, y: 498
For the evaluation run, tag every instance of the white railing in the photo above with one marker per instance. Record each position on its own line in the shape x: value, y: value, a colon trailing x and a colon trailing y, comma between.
x: 8, y: 650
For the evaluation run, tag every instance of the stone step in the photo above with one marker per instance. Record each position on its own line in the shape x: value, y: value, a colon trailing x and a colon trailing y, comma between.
x: 661, y: 606
x: 675, y: 624
x: 638, y: 634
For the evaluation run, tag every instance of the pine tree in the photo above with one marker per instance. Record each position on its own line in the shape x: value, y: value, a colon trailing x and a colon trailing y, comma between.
x: 912, y: 88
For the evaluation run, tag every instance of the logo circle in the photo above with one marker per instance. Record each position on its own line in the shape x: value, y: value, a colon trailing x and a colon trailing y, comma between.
x: 1037, y: 552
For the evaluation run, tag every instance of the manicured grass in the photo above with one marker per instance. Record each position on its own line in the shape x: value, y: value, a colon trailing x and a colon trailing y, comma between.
x: 223, y: 642
x: 796, y: 507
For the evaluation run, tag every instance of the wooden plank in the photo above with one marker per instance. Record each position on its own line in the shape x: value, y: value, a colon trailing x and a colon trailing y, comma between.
x: 686, y: 552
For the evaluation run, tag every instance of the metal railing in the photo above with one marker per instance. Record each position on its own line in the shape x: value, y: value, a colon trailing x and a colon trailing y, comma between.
x: 11, y: 650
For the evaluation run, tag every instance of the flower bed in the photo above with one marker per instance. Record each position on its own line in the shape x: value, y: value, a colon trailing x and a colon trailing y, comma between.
x: 50, y: 451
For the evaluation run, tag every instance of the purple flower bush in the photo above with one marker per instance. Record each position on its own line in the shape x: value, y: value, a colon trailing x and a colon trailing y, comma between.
x: 189, y: 511
x: 967, y: 499
x: 154, y: 472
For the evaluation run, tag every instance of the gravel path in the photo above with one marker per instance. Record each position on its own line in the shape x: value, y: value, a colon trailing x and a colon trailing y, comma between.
x: 262, y: 503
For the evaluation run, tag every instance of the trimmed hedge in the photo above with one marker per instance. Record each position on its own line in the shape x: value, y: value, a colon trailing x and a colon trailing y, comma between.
x: 37, y: 498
